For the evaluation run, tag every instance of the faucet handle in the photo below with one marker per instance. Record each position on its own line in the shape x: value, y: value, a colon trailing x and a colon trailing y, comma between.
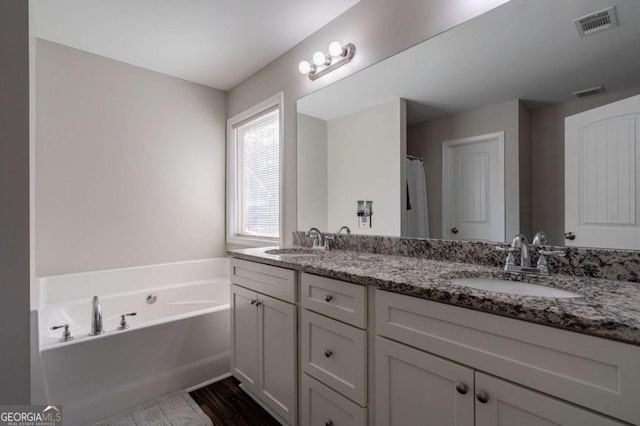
x: 123, y: 320
x: 328, y: 238
x: 511, y: 260
x: 66, y: 334
x: 552, y: 253
x: 509, y: 250
x: 542, y: 265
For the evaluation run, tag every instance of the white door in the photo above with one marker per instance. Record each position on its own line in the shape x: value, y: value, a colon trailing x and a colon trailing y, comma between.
x: 244, y: 341
x: 277, y: 382
x: 602, y: 176
x: 473, y: 202
x: 415, y: 388
x: 509, y: 405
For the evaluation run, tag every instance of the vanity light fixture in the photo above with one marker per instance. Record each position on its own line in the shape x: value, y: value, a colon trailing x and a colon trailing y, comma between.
x: 323, y: 63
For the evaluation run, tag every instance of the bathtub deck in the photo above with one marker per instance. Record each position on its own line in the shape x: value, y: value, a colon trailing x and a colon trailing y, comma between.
x: 226, y: 404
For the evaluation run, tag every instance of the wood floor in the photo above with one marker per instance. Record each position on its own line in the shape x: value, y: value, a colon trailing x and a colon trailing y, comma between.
x: 226, y: 404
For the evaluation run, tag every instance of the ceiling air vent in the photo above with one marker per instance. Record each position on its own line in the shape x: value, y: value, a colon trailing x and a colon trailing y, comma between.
x: 596, y: 22
x: 589, y: 92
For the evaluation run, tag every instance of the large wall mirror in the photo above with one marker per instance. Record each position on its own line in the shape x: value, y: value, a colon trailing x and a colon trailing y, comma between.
x: 522, y: 119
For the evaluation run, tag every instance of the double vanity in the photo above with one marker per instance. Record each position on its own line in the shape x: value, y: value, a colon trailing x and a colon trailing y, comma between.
x: 346, y: 337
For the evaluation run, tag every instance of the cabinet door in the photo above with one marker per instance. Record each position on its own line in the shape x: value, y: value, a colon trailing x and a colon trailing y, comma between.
x: 244, y: 336
x: 277, y: 384
x: 508, y: 404
x: 416, y: 388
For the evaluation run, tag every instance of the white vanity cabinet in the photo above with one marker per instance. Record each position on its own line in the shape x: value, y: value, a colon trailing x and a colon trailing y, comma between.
x: 553, y: 373
x: 416, y: 388
x: 508, y: 404
x: 333, y: 352
x: 264, y: 330
x: 374, y: 357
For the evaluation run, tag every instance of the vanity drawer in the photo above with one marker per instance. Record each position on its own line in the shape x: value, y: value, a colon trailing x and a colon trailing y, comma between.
x: 320, y: 405
x: 336, y: 299
x: 601, y: 374
x: 266, y: 279
x: 335, y: 354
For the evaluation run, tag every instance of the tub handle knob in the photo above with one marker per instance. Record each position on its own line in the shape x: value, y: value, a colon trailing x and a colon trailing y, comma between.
x: 123, y: 320
x: 66, y: 334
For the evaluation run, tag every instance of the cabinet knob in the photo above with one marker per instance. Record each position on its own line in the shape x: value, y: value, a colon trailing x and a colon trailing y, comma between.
x: 454, y: 230
x: 258, y: 303
x: 328, y: 298
x: 462, y: 388
x: 253, y: 302
x: 482, y: 396
x: 328, y: 423
x: 328, y: 353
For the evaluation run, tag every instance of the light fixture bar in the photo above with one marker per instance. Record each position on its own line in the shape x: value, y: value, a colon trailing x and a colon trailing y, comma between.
x: 316, y: 71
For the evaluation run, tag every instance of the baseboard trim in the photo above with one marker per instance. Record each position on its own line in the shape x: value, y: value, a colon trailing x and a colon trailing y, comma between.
x: 208, y: 382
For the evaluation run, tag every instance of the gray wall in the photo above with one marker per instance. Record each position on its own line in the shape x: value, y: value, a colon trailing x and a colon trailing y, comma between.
x: 312, y: 172
x: 14, y: 202
x: 524, y: 153
x: 425, y: 140
x: 130, y: 165
x: 379, y: 29
x: 547, y: 160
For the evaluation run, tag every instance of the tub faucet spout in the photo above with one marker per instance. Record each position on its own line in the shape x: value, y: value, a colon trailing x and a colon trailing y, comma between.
x: 96, y: 318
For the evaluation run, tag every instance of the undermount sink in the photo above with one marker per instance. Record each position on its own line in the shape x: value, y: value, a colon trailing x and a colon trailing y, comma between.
x: 514, y: 287
x: 294, y: 251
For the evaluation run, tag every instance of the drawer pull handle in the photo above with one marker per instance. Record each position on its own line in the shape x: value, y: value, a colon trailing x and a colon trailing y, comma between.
x: 462, y: 388
x: 328, y: 423
x: 482, y: 396
x: 328, y: 298
x: 328, y: 353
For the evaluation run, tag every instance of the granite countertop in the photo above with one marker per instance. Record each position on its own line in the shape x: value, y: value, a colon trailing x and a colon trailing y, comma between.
x: 608, y: 308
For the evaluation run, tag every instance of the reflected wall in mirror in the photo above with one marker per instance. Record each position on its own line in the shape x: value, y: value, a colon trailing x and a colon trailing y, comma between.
x: 476, y: 134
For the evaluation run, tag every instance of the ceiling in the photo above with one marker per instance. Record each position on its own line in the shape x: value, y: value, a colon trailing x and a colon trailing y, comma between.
x: 218, y: 43
x: 524, y: 49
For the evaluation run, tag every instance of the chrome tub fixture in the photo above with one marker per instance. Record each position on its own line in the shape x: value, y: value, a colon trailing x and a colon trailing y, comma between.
x: 96, y: 318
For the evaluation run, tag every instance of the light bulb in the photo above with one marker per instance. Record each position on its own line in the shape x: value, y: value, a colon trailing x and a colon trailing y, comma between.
x: 336, y: 49
x: 319, y: 58
x: 304, y: 67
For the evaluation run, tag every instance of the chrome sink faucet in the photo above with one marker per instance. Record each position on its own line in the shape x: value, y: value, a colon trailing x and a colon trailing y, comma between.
x: 520, y: 242
x: 320, y: 240
x: 344, y: 228
x: 96, y: 318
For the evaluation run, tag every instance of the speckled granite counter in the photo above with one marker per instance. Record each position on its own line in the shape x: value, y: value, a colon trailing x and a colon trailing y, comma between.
x: 608, y: 309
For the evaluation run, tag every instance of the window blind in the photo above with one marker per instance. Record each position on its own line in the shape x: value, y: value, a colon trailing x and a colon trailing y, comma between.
x: 258, y: 169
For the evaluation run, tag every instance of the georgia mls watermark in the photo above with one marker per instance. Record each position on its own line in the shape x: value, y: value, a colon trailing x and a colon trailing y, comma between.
x: 30, y: 415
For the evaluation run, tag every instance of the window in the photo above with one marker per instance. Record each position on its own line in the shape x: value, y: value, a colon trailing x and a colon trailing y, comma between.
x: 254, y: 165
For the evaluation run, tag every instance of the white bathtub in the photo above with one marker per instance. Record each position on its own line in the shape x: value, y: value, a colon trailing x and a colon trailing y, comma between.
x: 178, y: 342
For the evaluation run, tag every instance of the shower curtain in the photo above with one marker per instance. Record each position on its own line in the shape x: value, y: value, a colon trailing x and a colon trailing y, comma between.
x: 416, y: 209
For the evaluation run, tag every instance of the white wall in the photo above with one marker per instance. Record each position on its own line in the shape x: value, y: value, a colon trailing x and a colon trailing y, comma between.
x: 312, y: 172
x: 14, y: 203
x: 365, y: 155
x: 379, y: 29
x: 130, y: 165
